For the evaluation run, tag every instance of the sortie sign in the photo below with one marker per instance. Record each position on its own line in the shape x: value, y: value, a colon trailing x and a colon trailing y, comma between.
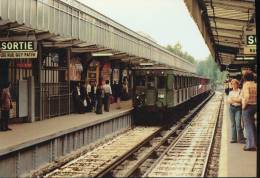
x: 18, y: 49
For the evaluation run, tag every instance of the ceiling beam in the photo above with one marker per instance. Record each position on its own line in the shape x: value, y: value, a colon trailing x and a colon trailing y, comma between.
x: 87, y: 50
x: 227, y: 39
x: 44, y: 36
x: 229, y: 31
x: 239, y: 5
x: 228, y: 21
x: 60, y: 44
x: 234, y: 45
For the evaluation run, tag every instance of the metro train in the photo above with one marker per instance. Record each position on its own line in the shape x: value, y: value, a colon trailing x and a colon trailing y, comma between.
x: 161, y: 89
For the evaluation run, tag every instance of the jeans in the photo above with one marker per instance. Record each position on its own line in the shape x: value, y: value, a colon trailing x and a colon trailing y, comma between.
x: 235, y: 118
x: 250, y: 128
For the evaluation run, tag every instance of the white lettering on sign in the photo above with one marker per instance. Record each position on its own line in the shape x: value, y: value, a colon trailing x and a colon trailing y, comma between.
x: 17, y: 45
x: 18, y: 55
x: 251, y: 40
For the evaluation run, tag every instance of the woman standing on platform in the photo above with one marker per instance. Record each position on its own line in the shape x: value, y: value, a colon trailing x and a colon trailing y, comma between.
x: 249, y: 92
x: 234, y: 100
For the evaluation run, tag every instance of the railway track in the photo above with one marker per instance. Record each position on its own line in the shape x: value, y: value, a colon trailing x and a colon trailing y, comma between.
x: 189, y: 155
x: 98, y: 160
x: 122, y: 156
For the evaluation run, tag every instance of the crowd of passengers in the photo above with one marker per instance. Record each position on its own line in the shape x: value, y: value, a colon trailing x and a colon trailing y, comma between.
x: 242, y: 96
x: 88, y: 97
x: 91, y: 97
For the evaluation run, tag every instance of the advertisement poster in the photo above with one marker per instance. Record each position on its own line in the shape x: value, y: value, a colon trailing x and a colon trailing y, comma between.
x: 75, y: 69
x: 106, y: 72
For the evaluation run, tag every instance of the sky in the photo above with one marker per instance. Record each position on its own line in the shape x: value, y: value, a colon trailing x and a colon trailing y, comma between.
x: 166, y: 21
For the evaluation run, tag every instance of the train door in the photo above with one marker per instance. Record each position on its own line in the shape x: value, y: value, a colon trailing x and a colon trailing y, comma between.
x: 151, y: 90
x: 161, y: 90
x: 181, y: 89
x: 175, y: 91
x: 178, y: 88
x: 170, y: 90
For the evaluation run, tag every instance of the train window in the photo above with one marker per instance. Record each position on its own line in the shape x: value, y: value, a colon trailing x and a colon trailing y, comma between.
x: 161, y: 84
x: 150, y: 82
x: 140, y: 80
x: 170, y: 82
x: 181, y: 82
x: 175, y: 82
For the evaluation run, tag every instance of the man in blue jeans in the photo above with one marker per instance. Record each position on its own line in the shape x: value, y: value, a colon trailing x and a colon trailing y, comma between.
x: 249, y: 92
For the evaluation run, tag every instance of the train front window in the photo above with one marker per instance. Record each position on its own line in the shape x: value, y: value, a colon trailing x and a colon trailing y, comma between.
x: 140, y: 81
x: 150, y: 82
x: 161, y: 84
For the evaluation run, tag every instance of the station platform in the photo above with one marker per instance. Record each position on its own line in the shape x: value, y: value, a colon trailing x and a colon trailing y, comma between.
x: 234, y: 161
x: 26, y: 134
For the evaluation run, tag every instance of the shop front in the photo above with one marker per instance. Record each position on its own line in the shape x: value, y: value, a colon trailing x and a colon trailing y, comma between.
x: 17, y: 61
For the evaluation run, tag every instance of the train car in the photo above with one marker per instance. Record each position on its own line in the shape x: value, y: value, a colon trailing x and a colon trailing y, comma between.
x: 161, y: 89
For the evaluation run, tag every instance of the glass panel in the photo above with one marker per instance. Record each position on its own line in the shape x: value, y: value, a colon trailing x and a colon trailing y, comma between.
x: 161, y: 84
x: 150, y: 82
x: 140, y: 81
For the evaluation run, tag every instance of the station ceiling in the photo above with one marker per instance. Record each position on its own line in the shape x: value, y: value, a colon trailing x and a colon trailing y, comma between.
x: 224, y: 25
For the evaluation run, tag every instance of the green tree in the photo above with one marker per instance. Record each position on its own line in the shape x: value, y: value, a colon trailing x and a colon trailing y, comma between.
x: 177, y: 49
x: 210, y: 69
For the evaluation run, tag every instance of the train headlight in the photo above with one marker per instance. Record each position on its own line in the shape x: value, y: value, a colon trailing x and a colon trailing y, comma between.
x: 161, y: 96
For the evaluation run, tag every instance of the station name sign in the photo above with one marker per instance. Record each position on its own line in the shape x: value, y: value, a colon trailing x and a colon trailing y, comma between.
x: 18, y: 49
x: 251, y: 40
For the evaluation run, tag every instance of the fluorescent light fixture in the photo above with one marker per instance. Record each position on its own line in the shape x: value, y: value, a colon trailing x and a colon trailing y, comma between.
x: 101, y: 54
x: 146, y: 64
x: 239, y: 58
x: 249, y: 58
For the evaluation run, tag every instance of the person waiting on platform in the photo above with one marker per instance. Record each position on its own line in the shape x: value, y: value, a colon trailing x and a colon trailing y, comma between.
x: 226, y: 87
x: 249, y: 92
x: 89, y: 96
x: 125, y: 89
x: 108, y: 92
x: 118, y: 94
x: 6, y: 106
x: 93, y: 90
x: 100, y: 97
x: 76, y: 93
x: 234, y: 100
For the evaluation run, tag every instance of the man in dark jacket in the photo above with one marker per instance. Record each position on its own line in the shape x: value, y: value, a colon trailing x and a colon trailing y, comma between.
x: 6, y: 106
x: 100, y: 97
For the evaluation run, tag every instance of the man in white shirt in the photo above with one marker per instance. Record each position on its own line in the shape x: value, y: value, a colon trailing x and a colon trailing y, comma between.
x: 108, y: 92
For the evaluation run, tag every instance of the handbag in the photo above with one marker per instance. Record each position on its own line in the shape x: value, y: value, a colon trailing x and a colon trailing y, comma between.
x: 85, y: 103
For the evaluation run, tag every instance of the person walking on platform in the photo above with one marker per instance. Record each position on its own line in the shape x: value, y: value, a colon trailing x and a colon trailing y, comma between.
x: 100, y: 97
x: 6, y: 106
x: 249, y: 92
x: 108, y: 92
x: 234, y: 100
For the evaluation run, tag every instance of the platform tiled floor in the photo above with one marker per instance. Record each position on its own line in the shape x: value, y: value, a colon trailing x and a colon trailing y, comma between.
x: 27, y: 133
x: 234, y: 162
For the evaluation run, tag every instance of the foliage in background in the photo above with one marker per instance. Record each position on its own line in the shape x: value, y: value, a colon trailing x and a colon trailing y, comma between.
x: 207, y: 68
x: 177, y: 49
x: 210, y: 69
